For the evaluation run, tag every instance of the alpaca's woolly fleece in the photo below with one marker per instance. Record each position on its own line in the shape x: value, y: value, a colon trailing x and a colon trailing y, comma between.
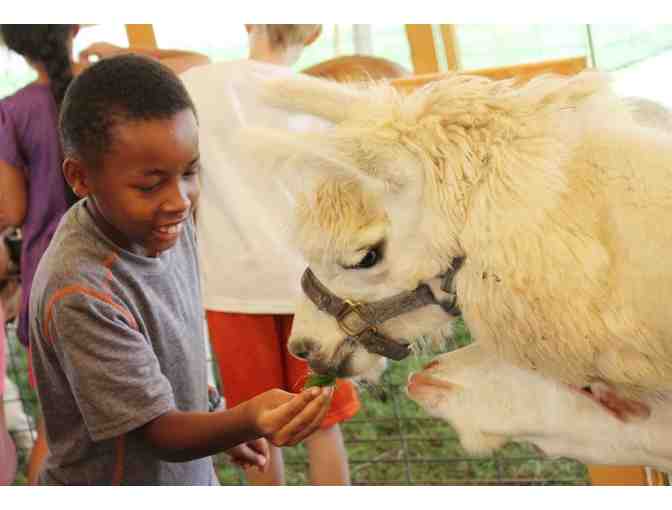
x: 552, y: 190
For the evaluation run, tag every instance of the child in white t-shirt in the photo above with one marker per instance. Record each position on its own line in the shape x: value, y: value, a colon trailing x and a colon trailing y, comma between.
x: 251, y: 273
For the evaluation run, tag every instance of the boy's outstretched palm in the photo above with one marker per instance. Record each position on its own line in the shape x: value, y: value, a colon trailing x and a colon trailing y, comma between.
x: 286, y: 419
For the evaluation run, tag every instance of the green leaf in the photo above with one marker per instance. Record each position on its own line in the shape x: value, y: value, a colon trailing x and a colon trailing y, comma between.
x: 319, y: 380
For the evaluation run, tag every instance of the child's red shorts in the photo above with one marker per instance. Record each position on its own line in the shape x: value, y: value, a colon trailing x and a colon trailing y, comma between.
x: 251, y: 352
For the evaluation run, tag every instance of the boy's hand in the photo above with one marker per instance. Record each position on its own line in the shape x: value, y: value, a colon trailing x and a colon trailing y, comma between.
x: 286, y: 419
x: 251, y: 454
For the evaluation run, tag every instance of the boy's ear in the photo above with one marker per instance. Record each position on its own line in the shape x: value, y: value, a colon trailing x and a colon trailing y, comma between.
x: 77, y: 176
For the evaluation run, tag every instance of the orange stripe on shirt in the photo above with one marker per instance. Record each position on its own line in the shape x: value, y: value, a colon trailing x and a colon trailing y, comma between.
x: 96, y: 294
x: 109, y: 262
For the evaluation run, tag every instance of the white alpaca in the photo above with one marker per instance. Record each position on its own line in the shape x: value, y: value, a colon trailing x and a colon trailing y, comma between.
x: 490, y: 402
x: 556, y: 197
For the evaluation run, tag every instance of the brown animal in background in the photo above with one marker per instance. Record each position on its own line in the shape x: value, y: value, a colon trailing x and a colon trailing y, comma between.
x: 350, y: 68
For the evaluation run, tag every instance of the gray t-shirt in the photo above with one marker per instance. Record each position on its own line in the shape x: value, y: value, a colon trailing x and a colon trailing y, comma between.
x: 117, y: 341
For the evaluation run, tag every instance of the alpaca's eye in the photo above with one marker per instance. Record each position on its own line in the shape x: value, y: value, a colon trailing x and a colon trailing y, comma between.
x: 371, y: 258
x: 374, y: 255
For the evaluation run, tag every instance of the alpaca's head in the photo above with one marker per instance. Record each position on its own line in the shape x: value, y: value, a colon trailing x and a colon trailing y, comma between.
x: 383, y: 195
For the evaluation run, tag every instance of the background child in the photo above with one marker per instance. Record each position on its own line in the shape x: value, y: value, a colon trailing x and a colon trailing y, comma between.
x: 116, y: 314
x: 29, y: 148
x: 251, y: 273
x: 34, y: 194
x: 12, y: 414
x: 7, y: 448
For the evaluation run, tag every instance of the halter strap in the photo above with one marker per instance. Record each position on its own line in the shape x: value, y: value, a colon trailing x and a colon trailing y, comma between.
x: 360, y: 320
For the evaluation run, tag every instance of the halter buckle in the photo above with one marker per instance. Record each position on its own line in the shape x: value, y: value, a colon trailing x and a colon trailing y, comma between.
x: 353, y: 310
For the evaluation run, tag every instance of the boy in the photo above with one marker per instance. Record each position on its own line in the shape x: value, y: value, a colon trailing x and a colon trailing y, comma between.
x: 244, y: 240
x: 116, y: 313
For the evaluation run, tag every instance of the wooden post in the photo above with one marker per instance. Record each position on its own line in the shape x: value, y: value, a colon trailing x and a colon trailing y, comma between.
x: 141, y: 36
x: 451, y: 46
x: 423, y: 53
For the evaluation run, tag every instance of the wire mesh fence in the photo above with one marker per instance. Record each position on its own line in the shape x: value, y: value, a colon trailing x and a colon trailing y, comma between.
x: 390, y: 442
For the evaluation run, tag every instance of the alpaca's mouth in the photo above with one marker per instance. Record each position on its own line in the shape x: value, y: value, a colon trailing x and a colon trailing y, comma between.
x: 322, y: 367
x: 338, y: 365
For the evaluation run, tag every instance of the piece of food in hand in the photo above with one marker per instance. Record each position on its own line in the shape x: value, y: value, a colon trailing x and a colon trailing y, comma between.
x: 319, y: 380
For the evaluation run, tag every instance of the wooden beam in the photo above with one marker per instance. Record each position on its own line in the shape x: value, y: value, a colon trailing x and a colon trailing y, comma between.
x: 522, y: 73
x: 423, y: 53
x: 141, y: 36
x: 525, y: 72
x: 451, y: 46
x: 625, y: 475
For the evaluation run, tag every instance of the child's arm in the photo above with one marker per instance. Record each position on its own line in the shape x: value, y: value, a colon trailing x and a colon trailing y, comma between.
x: 178, y: 60
x: 283, y: 418
x: 86, y: 328
x: 13, y: 196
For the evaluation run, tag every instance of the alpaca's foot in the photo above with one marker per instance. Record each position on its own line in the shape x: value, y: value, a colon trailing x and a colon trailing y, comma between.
x: 624, y: 409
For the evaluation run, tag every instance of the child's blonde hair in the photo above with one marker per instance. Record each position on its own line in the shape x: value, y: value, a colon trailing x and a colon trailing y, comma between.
x: 284, y: 36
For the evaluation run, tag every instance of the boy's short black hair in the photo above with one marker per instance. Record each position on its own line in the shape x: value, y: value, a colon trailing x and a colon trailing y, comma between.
x: 119, y: 89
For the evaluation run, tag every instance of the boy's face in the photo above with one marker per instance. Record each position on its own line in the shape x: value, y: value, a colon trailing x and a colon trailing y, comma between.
x: 147, y: 184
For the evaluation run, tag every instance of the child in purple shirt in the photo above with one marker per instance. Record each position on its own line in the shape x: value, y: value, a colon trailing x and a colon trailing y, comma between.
x: 34, y: 194
x: 29, y: 142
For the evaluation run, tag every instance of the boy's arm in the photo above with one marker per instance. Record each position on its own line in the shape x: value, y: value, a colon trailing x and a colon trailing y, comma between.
x: 283, y: 418
x: 13, y: 196
x: 177, y: 60
x: 87, y: 328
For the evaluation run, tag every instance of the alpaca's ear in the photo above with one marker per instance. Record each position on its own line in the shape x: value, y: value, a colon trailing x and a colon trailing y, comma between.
x: 549, y: 89
x: 316, y: 96
x: 298, y: 159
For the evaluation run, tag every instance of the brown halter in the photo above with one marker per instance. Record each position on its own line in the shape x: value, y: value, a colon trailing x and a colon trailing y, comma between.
x: 360, y: 320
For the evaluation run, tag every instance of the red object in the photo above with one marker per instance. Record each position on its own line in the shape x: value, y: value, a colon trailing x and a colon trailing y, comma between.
x: 252, y: 357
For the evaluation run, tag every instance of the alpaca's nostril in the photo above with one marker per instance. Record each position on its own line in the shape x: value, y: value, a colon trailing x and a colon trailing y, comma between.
x: 303, y: 348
